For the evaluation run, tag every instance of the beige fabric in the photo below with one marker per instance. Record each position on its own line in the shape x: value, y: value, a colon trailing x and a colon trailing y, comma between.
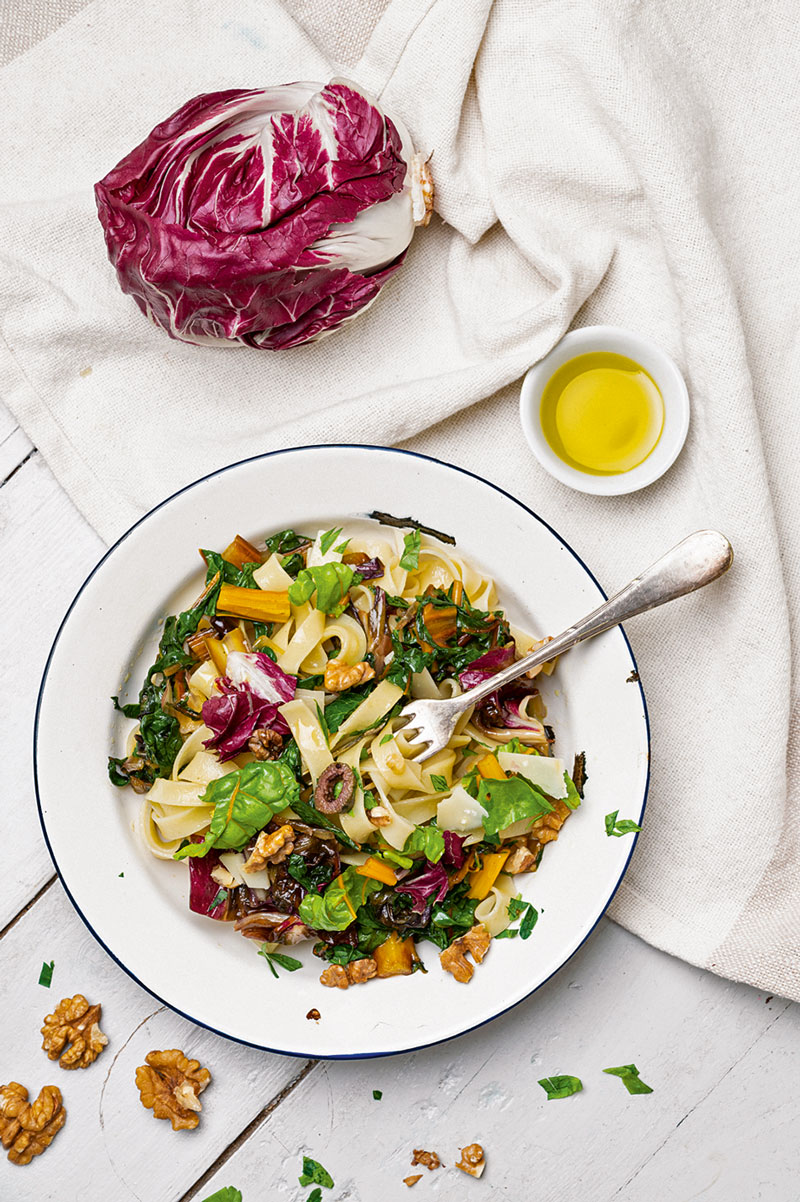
x: 610, y: 162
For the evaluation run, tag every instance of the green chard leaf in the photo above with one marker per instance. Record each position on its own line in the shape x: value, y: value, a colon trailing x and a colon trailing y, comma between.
x: 336, y: 908
x: 328, y: 539
x: 508, y: 933
x: 277, y: 958
x: 427, y: 839
x: 336, y: 712
x: 284, y: 542
x: 330, y: 581
x: 573, y: 798
x: 411, y: 548
x: 623, y: 826
x: 530, y: 916
x: 244, y: 801
x: 312, y: 816
x: 629, y: 1075
x: 314, y: 1174
x: 227, y: 1194
x: 439, y: 783
x: 377, y: 1094
x: 529, y: 922
x: 310, y: 876
x: 46, y: 975
x: 315, y: 1195
x: 560, y: 1087
x: 506, y: 801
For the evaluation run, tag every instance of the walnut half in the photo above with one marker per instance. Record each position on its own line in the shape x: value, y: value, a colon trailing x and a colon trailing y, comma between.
x: 454, y: 958
x: 339, y: 677
x: 271, y: 847
x: 169, y: 1084
x: 27, y: 1129
x: 76, y: 1023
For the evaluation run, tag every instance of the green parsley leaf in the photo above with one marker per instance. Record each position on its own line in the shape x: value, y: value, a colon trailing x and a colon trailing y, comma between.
x: 328, y: 539
x: 343, y: 546
x: 625, y: 826
x: 411, y: 547
x: 516, y: 906
x: 506, y: 801
x: 629, y: 1075
x: 439, y: 783
x: 427, y: 839
x: 46, y: 975
x: 387, y: 738
x: 227, y: 1194
x: 244, y: 801
x: 219, y: 897
x: 314, y: 1174
x: 560, y: 1087
x: 508, y: 933
x: 272, y: 958
x: 573, y: 798
x: 377, y: 1094
x: 121, y: 874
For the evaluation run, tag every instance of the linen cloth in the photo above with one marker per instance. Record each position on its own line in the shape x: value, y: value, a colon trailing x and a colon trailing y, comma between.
x: 595, y: 162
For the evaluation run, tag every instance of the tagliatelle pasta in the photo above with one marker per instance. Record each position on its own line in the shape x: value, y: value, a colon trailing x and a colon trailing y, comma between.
x: 272, y: 757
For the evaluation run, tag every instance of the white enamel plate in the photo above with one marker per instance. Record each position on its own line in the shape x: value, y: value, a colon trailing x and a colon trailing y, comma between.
x: 204, y: 969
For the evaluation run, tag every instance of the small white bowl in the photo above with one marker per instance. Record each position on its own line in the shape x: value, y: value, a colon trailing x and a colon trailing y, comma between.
x: 655, y: 362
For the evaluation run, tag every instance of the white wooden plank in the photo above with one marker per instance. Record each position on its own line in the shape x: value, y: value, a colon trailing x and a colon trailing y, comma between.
x: 47, y: 549
x: 111, y: 1147
x: 14, y: 447
x: 618, y: 1001
x: 740, y: 1140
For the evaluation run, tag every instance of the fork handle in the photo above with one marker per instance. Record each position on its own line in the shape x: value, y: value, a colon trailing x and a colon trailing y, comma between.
x: 696, y: 561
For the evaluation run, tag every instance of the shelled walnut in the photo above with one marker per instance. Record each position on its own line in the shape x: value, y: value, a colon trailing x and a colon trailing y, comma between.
x: 429, y: 1159
x: 454, y: 958
x: 169, y: 1084
x: 473, y: 1160
x: 341, y: 976
x: 271, y: 847
x: 27, y: 1129
x: 76, y: 1023
x: 339, y: 677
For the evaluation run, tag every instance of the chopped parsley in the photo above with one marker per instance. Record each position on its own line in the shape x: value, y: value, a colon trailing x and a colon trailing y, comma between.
x: 629, y: 1075
x: 315, y: 1195
x: 226, y: 1194
x: 411, y: 548
x: 277, y: 958
x: 623, y: 826
x: 328, y: 539
x: 377, y: 1094
x: 439, y: 783
x: 46, y: 975
x: 314, y: 1174
x: 560, y: 1087
x: 530, y: 916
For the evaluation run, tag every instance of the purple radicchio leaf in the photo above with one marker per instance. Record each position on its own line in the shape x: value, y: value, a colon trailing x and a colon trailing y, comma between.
x: 487, y: 665
x: 371, y: 570
x: 429, y: 885
x: 454, y: 854
x: 237, y: 218
x: 262, y: 674
x: 234, y: 714
x: 202, y: 886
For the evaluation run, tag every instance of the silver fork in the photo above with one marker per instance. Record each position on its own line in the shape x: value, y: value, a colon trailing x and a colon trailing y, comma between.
x: 694, y: 562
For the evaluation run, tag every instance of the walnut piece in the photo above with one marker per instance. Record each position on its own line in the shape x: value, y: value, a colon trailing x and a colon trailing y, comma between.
x: 271, y: 847
x: 409, y: 1181
x: 472, y: 1160
x: 522, y: 859
x: 265, y: 744
x: 546, y: 828
x: 342, y: 976
x: 379, y: 816
x: 429, y: 1159
x: 26, y: 1130
x: 76, y: 1023
x: 169, y: 1084
x: 339, y: 677
x: 314, y: 1015
x: 454, y: 958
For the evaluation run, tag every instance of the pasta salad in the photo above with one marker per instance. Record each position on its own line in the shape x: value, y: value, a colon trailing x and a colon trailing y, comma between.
x: 271, y: 759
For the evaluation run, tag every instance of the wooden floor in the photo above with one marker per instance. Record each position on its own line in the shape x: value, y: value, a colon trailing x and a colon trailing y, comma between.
x: 723, y: 1060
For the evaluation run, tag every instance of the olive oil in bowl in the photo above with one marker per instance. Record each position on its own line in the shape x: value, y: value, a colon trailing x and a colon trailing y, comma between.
x: 602, y: 413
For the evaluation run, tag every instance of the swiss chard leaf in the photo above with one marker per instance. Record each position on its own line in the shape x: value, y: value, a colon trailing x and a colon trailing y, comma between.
x: 285, y: 541
x: 314, y: 1174
x: 312, y: 816
x: 227, y: 1194
x: 46, y: 975
x: 621, y: 826
x: 336, y: 908
x: 506, y: 801
x: 475, y: 632
x: 560, y: 1087
x: 427, y: 839
x: 310, y: 876
x: 439, y: 783
x: 336, y: 712
x: 244, y: 801
x: 629, y: 1075
x: 451, y: 917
